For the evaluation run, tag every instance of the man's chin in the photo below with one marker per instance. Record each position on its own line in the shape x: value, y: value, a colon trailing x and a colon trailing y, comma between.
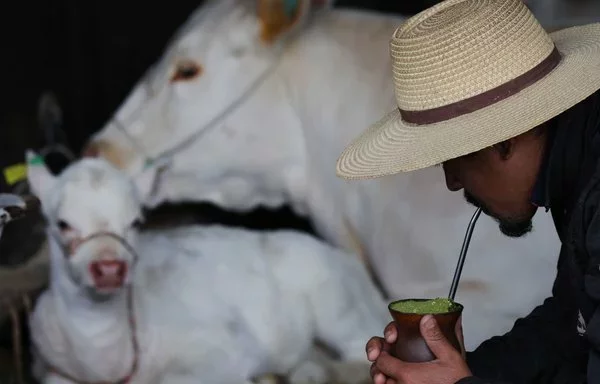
x: 515, y: 229
x: 509, y: 227
x: 512, y: 228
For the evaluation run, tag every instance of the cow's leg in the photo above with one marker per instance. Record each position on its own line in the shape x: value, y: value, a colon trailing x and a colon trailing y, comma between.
x: 269, y: 379
x: 214, y: 355
x: 313, y: 369
x: 348, y: 313
x: 193, y: 378
x: 52, y: 378
x: 348, y: 310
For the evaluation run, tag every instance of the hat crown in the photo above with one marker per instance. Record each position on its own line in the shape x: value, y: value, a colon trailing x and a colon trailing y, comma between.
x: 459, y: 49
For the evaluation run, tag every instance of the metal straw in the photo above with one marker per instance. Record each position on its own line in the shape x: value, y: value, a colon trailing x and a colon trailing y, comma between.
x: 463, y: 254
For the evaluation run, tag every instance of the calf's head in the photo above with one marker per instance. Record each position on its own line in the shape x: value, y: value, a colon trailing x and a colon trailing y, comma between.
x: 92, y: 213
x: 211, y: 61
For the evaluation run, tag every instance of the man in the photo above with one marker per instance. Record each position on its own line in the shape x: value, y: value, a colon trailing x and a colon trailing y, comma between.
x: 513, y: 116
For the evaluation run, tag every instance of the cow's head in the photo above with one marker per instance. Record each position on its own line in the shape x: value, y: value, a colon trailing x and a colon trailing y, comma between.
x: 221, y: 50
x: 92, y: 212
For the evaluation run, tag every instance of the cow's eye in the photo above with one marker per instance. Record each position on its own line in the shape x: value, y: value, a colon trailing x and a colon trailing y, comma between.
x: 186, y: 70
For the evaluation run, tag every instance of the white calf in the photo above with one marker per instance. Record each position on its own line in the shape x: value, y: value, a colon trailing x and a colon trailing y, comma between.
x: 188, y: 305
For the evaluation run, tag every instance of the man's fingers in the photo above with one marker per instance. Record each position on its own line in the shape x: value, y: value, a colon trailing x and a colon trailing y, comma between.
x: 458, y: 328
x: 373, y: 371
x: 389, y: 366
x: 374, y: 347
x: 377, y: 376
x: 390, y: 333
x: 460, y: 337
x: 435, y: 339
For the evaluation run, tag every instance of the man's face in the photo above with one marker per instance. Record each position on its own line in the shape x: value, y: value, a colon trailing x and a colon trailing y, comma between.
x: 500, y: 180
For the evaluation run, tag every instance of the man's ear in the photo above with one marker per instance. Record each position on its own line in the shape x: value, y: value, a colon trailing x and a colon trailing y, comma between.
x: 39, y: 177
x: 278, y: 17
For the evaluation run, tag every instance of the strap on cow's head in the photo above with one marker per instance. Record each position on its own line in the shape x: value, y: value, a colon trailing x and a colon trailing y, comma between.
x: 70, y: 249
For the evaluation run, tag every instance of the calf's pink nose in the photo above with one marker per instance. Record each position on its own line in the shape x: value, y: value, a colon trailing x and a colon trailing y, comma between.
x: 108, y: 273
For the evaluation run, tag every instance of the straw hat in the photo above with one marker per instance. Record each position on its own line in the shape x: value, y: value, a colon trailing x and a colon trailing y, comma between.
x: 469, y: 74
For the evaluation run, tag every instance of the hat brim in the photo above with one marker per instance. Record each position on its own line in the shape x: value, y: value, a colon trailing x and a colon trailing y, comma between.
x: 393, y: 146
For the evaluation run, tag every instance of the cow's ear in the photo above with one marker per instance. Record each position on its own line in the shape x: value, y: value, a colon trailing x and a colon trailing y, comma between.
x: 279, y: 17
x: 40, y: 179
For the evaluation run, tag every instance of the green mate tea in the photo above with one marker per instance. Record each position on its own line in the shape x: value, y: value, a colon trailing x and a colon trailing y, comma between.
x: 433, y: 306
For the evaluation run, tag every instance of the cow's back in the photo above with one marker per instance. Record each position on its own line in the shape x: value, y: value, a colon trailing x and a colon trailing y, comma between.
x: 409, y: 225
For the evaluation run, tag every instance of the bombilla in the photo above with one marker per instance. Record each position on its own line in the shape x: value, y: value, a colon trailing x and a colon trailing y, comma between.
x: 463, y: 254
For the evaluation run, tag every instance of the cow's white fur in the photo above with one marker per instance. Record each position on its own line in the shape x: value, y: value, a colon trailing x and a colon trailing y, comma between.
x: 213, y: 304
x: 280, y: 146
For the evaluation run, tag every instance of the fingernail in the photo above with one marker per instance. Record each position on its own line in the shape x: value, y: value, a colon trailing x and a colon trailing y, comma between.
x: 370, y: 354
x: 387, y: 334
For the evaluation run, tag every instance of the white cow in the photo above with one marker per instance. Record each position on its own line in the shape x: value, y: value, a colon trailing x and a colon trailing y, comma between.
x: 209, y: 304
x: 240, y: 112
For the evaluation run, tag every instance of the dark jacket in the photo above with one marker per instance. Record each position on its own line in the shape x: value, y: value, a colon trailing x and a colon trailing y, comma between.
x: 559, y: 341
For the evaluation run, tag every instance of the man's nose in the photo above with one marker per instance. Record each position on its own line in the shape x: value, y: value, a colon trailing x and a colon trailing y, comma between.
x: 453, y: 185
x: 452, y: 182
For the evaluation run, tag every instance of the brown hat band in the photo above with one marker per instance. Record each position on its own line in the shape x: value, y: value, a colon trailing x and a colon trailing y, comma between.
x: 482, y: 100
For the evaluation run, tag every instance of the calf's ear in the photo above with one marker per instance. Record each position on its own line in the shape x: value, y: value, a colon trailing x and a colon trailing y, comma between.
x: 39, y: 177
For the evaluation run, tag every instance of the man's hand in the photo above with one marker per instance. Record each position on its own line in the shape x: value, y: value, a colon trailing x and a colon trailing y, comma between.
x: 448, y: 367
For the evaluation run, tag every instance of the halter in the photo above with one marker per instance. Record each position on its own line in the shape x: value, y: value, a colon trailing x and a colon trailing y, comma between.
x: 162, y: 159
x: 130, y: 310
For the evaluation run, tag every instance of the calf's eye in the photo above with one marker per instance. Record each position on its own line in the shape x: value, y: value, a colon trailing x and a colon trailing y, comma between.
x: 63, y: 225
x: 137, y: 223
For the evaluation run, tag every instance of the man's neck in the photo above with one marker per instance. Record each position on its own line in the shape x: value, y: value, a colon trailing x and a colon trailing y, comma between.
x: 539, y: 196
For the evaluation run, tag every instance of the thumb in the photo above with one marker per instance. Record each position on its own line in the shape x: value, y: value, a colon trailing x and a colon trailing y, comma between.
x: 434, y: 337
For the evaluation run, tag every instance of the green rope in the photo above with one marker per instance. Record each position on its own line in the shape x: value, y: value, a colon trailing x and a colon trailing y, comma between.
x: 37, y: 160
x: 291, y: 7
